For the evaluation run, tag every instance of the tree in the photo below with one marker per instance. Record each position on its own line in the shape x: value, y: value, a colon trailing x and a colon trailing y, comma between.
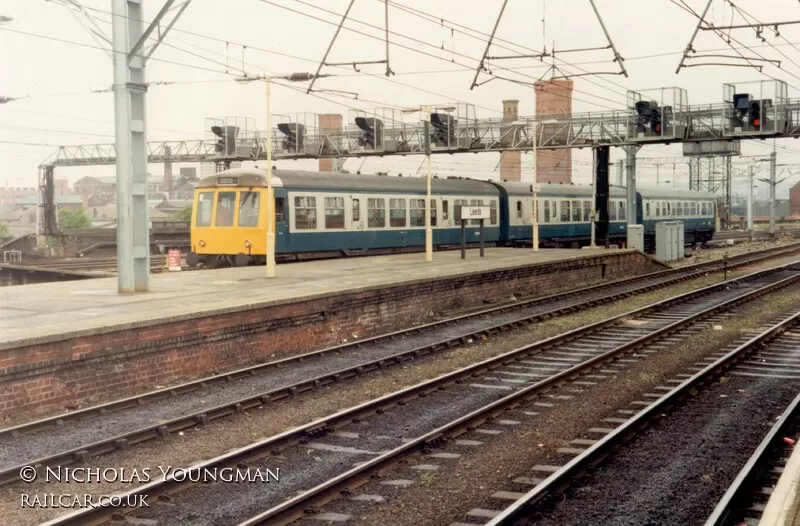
x: 73, y: 219
x: 4, y: 232
x: 184, y: 214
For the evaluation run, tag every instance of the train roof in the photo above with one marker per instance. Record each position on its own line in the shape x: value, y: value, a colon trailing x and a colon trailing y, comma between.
x: 674, y: 193
x: 296, y: 179
x: 557, y: 190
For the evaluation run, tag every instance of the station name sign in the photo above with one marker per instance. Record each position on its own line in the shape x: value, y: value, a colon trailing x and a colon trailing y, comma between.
x: 472, y: 212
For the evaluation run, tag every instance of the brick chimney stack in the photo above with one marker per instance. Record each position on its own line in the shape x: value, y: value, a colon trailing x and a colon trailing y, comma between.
x: 510, y: 168
x: 554, y: 100
x: 329, y: 123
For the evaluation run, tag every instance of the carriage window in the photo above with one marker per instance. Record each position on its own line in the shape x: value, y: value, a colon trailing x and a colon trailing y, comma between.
x: 459, y: 202
x: 658, y: 209
x: 334, y: 212
x: 612, y: 211
x: 519, y: 209
x: 547, y: 211
x: 305, y: 213
x: 703, y: 208
x: 226, y: 201
x: 587, y: 211
x: 694, y: 209
x: 493, y: 212
x: 647, y: 209
x: 279, y: 210
x: 356, y: 209
x: 204, y: 203
x: 417, y: 213
x: 576, y: 211
x: 397, y: 212
x: 564, y: 211
x: 433, y: 212
x: 248, y: 208
x: 376, y: 213
x: 686, y: 209
x: 445, y: 211
x: 621, y: 214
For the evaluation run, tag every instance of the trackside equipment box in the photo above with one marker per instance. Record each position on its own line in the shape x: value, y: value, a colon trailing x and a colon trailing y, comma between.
x: 669, y: 240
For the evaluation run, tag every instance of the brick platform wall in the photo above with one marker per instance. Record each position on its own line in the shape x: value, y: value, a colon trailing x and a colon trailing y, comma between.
x: 53, y: 377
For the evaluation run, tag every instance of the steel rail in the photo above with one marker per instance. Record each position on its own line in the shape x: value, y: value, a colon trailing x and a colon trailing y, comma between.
x: 749, y: 477
x: 624, y: 432
x: 206, y: 415
x: 294, y: 507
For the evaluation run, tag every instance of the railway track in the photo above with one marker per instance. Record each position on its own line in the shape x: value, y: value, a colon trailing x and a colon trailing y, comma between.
x: 78, y: 436
x: 108, y: 264
x: 756, y: 234
x: 376, y: 435
x: 744, y: 501
x: 762, y: 361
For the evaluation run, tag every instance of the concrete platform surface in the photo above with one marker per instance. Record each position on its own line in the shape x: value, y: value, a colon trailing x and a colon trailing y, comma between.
x: 51, y: 311
x: 783, y: 507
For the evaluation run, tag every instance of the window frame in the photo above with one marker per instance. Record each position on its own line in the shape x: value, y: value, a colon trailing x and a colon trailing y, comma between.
x: 256, y: 205
x: 575, y: 207
x: 562, y: 209
x: 306, y: 225
x: 416, y: 213
x: 393, y: 207
x: 335, y: 200
x: 231, y: 210
x: 370, y: 208
x: 207, y: 222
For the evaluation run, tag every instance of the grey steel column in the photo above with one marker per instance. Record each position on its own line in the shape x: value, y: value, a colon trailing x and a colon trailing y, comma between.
x: 750, y: 202
x: 630, y: 166
x: 133, y: 239
x: 772, y: 168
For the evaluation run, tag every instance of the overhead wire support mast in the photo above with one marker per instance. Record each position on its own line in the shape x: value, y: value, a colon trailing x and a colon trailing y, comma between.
x: 129, y: 55
x: 488, y: 45
x: 322, y: 62
x: 689, y: 48
x: 617, y: 57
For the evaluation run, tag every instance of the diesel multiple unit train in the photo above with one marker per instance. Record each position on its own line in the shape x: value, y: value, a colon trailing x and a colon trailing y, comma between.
x: 319, y: 214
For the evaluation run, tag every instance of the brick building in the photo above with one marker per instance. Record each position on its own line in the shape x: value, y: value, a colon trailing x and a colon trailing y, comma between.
x: 11, y: 195
x: 510, y: 162
x: 553, y: 100
x: 794, y: 199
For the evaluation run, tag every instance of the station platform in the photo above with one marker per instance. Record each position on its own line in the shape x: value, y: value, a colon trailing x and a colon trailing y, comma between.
x: 41, y: 312
x: 783, y: 506
x: 70, y: 343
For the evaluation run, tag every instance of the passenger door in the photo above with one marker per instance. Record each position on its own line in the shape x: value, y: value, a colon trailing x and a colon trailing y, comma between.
x: 281, y: 225
x: 357, y: 212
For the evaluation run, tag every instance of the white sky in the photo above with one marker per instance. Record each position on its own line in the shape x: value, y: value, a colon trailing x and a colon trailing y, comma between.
x: 59, y: 76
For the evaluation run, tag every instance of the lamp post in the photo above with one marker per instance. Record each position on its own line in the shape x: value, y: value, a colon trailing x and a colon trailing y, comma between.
x: 428, y: 110
x: 270, y: 249
x: 270, y: 208
x: 535, y: 185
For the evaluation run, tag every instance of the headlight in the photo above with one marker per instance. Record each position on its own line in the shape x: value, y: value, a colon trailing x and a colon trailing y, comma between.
x: 202, y: 243
x: 246, y: 243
